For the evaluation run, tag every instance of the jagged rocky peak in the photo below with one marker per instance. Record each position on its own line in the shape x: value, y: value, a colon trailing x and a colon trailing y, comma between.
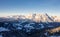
x: 42, y: 18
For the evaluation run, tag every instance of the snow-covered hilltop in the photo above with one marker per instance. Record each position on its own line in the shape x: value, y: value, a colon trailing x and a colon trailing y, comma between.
x: 33, y: 17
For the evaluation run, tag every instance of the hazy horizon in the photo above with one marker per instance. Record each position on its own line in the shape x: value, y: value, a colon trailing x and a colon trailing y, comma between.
x: 17, y: 7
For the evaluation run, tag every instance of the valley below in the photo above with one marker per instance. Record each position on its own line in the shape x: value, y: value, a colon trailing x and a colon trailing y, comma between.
x: 29, y: 29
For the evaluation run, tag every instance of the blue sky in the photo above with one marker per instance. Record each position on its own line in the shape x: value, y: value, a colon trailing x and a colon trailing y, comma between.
x: 12, y: 7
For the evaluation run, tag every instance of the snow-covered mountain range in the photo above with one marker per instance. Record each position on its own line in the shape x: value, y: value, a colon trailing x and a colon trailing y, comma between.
x: 29, y: 24
x: 33, y: 17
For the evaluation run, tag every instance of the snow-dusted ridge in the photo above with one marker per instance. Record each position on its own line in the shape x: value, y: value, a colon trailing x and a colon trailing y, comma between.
x: 34, y: 17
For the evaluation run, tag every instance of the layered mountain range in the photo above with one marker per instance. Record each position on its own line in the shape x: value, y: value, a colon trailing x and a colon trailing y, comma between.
x: 32, y: 17
x: 30, y: 25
